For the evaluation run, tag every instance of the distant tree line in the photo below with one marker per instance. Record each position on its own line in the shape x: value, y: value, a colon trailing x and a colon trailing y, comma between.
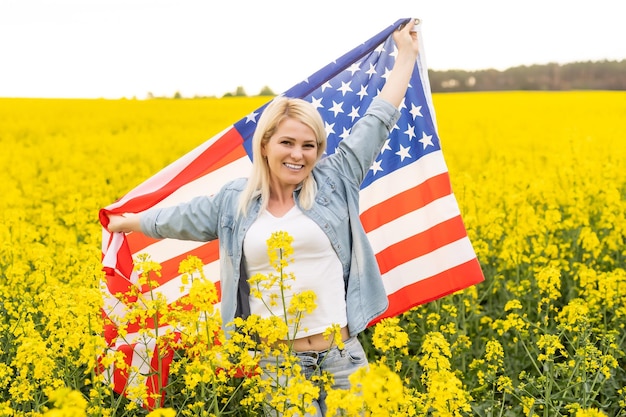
x: 600, y: 75
x: 239, y: 92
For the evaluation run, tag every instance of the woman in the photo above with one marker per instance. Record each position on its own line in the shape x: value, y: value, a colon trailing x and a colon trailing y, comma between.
x: 315, y: 200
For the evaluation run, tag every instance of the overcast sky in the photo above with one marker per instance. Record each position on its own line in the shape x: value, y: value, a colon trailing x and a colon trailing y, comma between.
x: 128, y: 48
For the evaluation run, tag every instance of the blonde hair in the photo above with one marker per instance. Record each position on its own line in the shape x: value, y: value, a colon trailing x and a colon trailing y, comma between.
x: 275, y: 113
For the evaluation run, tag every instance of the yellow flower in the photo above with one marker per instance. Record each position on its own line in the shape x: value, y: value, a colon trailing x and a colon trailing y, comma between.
x: 334, y: 331
x: 279, y: 249
x: 162, y: 412
x: 590, y: 412
x: 302, y: 303
x: 389, y: 335
x: 550, y: 344
x: 67, y: 402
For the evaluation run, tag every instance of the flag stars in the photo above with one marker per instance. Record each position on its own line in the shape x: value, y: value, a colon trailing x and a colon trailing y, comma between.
x: 326, y: 85
x: 404, y: 153
x: 356, y: 67
x: 426, y: 140
x: 362, y: 92
x: 385, y: 147
x: 410, y: 132
x: 371, y: 71
x: 345, y: 87
x: 354, y: 113
x: 336, y: 108
x: 317, y: 103
x: 345, y: 133
x: 329, y: 128
x: 386, y: 74
x: 251, y: 117
x: 376, y: 167
x: 416, y: 111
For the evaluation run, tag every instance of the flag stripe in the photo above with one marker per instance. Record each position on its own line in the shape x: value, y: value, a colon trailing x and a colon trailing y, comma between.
x: 207, y: 252
x: 434, y: 287
x: 414, y: 222
x: 205, y: 185
x: 224, y: 150
x: 406, y: 201
x: 429, y: 265
x: 414, y: 174
x: 421, y: 244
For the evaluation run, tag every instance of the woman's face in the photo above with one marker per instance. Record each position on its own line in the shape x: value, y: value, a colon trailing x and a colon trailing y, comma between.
x: 291, y: 153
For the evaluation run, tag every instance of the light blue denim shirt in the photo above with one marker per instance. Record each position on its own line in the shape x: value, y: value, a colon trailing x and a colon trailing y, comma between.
x: 335, y: 210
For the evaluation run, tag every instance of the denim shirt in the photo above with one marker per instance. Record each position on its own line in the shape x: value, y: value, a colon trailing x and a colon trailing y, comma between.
x: 335, y: 210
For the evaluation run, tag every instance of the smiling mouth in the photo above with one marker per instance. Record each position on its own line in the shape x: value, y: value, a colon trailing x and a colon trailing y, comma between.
x: 292, y: 166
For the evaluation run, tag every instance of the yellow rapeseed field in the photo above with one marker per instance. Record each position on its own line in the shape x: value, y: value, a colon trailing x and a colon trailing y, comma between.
x: 541, y: 181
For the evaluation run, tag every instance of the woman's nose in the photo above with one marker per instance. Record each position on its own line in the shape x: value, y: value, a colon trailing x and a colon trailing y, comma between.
x: 296, y: 152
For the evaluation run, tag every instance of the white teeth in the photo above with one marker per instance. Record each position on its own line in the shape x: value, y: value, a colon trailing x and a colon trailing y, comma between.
x: 291, y: 166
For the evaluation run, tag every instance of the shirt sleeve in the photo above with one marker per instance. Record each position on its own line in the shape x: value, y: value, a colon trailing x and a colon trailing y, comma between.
x: 356, y: 153
x: 195, y: 220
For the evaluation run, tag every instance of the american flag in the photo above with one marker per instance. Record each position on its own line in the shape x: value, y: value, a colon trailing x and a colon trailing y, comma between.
x: 408, y: 209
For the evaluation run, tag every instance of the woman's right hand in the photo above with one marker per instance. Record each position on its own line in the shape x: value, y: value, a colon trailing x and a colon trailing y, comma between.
x: 124, y: 223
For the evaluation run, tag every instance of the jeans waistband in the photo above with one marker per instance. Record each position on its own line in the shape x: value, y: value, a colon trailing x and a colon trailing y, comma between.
x: 318, y: 354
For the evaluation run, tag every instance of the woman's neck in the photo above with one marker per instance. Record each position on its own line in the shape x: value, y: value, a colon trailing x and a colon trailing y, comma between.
x: 280, y: 203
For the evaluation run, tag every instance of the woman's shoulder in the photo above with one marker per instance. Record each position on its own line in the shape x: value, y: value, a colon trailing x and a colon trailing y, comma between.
x: 235, y: 185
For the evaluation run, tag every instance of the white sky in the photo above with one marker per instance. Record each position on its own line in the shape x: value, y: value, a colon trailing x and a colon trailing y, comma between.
x: 126, y: 48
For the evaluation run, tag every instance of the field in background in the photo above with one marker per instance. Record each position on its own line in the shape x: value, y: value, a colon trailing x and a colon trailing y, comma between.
x: 541, y: 181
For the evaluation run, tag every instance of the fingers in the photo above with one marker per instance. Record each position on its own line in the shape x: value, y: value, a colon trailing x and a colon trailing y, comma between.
x: 406, y: 35
x: 410, y: 25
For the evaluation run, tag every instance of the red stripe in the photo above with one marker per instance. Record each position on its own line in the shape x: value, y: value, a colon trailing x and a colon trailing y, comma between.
x: 124, y: 259
x: 224, y: 151
x: 117, y: 284
x: 420, y: 244
x: 406, y: 202
x: 432, y: 288
x: 120, y: 377
x: 156, y: 382
x: 138, y: 241
x: 208, y: 252
x: 135, y: 327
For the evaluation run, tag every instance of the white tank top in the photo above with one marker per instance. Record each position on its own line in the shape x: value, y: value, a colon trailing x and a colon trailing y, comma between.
x: 314, y: 264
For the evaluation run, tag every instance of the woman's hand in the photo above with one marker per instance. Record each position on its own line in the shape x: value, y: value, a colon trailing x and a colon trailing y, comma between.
x: 406, y: 38
x: 124, y: 223
x: 408, y: 45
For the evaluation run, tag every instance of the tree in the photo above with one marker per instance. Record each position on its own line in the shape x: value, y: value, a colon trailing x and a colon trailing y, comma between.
x: 240, y: 92
x: 266, y: 91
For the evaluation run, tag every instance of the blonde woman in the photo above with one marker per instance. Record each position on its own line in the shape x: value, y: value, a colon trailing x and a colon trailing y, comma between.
x: 314, y: 199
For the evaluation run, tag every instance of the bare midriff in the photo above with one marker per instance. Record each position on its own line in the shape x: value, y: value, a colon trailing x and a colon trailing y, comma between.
x: 318, y: 342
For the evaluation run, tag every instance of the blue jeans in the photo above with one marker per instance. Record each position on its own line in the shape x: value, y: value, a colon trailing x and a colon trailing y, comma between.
x: 339, y: 363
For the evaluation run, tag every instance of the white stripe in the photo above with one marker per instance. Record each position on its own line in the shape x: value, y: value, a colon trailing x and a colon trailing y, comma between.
x: 172, y: 290
x: 141, y: 338
x: 166, y: 174
x: 114, y: 308
x: 439, y: 260
x: 423, y: 69
x: 165, y: 249
x: 110, y: 253
x: 208, y: 184
x: 402, y: 179
x: 417, y: 221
